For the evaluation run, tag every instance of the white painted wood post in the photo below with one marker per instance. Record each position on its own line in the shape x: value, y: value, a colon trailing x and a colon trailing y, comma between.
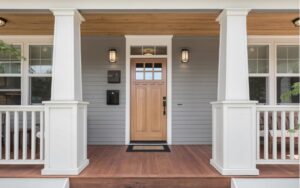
x: 234, y: 115
x: 65, y: 114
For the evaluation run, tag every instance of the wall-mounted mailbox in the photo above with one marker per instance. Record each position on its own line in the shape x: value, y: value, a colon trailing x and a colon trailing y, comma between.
x: 112, y: 97
x: 114, y: 76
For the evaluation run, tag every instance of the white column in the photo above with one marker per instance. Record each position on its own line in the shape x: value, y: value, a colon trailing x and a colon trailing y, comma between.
x: 234, y: 114
x: 66, y: 113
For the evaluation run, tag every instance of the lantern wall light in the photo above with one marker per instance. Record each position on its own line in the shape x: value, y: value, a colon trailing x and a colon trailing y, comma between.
x: 112, y: 55
x: 3, y: 22
x: 184, y: 55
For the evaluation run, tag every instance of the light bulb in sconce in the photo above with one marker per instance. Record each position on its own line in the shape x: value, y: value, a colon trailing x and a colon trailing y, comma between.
x: 112, y: 55
x: 184, y: 55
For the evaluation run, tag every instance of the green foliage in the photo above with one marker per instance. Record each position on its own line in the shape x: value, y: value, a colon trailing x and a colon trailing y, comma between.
x: 294, y: 130
x: 10, y: 50
x: 294, y: 91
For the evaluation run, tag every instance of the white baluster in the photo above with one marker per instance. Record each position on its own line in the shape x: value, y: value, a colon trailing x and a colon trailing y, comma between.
x: 41, y: 135
x: 266, y: 131
x: 258, y: 135
x: 274, y: 127
x: 24, y: 135
x: 283, y: 132
x: 292, y: 135
x: 16, y: 135
x: 0, y: 135
x: 33, y: 137
x: 298, y: 134
x: 7, y: 135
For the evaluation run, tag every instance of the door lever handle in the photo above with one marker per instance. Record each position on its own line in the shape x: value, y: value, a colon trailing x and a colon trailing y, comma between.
x: 164, y: 104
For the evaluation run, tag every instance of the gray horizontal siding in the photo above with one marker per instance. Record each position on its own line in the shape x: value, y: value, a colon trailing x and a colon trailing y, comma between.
x: 106, y: 124
x: 194, y: 87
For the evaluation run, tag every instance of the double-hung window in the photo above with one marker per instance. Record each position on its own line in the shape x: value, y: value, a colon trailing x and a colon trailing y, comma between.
x: 40, y: 67
x: 10, y: 78
x: 258, y: 62
x: 287, y: 71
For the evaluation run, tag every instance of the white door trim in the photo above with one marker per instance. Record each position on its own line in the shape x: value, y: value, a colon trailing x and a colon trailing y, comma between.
x: 140, y: 40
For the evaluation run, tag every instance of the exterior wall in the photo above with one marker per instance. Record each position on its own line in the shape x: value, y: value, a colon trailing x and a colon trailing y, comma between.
x: 194, y: 86
x: 106, y: 124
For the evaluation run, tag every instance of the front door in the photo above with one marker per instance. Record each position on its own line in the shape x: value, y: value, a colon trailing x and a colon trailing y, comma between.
x: 148, y: 99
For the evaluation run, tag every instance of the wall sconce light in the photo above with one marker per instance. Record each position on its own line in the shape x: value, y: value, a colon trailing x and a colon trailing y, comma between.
x: 184, y: 55
x: 296, y: 22
x: 112, y: 55
x: 2, y: 21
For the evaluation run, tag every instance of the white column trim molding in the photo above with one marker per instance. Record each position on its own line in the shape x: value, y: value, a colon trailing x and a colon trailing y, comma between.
x: 140, y: 40
x: 234, y: 115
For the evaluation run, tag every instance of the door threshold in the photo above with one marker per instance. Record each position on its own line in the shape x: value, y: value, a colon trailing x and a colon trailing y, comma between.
x: 148, y: 143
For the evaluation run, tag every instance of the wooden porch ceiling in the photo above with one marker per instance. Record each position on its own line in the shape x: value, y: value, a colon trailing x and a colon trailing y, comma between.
x: 178, y: 24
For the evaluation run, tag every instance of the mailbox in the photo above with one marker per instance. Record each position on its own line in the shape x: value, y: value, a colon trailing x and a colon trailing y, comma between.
x: 112, y: 97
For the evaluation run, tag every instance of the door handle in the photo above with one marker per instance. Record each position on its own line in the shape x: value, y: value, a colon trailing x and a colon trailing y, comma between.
x: 164, y: 104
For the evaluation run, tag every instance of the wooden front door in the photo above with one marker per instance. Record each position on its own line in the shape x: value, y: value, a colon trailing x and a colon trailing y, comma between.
x: 148, y: 99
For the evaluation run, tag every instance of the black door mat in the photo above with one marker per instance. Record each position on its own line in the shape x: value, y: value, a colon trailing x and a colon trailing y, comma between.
x: 148, y: 148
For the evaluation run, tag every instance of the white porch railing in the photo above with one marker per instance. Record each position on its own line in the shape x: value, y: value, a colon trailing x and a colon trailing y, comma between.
x: 278, y: 134
x: 22, y: 134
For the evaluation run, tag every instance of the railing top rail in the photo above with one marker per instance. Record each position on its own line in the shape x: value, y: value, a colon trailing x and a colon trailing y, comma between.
x: 5, y: 108
x: 273, y: 108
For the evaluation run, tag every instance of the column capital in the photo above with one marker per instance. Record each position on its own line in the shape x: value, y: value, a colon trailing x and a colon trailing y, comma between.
x: 233, y: 12
x: 67, y: 12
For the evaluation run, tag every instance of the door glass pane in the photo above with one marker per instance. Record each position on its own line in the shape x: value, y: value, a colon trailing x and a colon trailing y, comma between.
x: 148, y: 75
x: 258, y: 89
x: 10, y: 82
x: 157, y: 66
x: 161, y: 50
x: 139, y: 67
x: 148, y: 50
x: 136, y: 50
x: 157, y: 75
x: 285, y: 84
x: 139, y: 75
x: 40, y: 89
x: 148, y: 67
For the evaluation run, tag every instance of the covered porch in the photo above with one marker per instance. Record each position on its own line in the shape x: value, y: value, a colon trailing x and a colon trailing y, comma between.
x: 185, y: 166
x: 259, y: 135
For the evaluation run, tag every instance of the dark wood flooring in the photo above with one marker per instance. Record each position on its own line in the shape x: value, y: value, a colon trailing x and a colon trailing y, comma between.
x: 184, y: 166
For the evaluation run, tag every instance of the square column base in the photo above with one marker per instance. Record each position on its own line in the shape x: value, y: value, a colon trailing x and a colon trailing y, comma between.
x: 234, y: 137
x: 65, y: 137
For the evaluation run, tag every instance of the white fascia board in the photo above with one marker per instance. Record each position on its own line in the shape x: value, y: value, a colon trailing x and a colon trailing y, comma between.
x: 150, y: 5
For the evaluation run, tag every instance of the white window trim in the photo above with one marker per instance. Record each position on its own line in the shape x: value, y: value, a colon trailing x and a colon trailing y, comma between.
x: 273, y: 42
x: 25, y: 41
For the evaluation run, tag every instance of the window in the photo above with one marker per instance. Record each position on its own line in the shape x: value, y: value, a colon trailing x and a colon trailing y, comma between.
x: 258, y: 62
x: 148, y: 50
x: 40, y: 68
x: 10, y: 79
x: 287, y: 72
x: 148, y: 71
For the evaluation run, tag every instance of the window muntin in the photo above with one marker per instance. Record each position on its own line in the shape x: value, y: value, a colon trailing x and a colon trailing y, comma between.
x: 258, y: 64
x: 258, y: 58
x: 287, y: 58
x: 10, y: 64
x: 148, y: 71
x: 40, y: 69
x: 148, y: 50
x: 40, y: 59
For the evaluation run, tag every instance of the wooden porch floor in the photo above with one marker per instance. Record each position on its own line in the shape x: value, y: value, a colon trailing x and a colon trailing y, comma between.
x: 184, y: 166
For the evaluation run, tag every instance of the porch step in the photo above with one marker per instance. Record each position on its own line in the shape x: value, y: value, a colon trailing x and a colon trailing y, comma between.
x: 265, y: 182
x: 150, y: 182
x: 34, y: 183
